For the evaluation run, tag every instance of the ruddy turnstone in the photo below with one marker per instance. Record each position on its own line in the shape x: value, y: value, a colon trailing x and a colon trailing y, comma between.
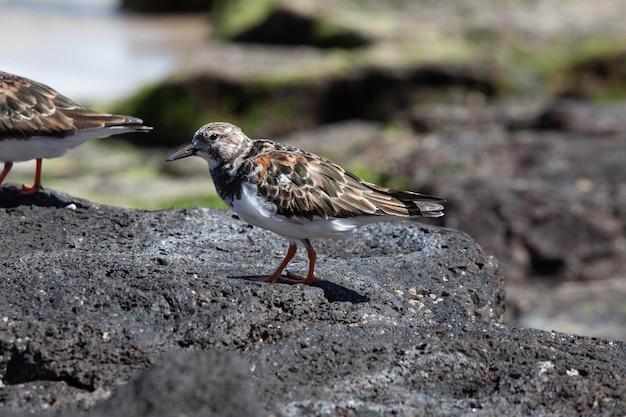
x: 296, y: 194
x: 37, y: 122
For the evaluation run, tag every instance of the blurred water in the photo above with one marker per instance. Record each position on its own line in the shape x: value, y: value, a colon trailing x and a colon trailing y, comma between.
x: 90, y: 51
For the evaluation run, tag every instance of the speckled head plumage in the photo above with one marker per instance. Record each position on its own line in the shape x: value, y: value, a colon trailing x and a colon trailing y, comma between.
x: 295, y: 193
x: 219, y: 143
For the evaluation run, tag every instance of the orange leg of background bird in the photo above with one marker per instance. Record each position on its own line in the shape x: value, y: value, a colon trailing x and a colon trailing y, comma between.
x: 5, y: 171
x: 27, y: 189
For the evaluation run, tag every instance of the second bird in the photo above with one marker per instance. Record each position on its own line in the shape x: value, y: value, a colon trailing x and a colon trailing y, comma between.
x: 295, y: 193
x: 37, y: 122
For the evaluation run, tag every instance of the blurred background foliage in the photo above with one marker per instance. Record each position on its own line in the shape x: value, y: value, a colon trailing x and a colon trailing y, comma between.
x: 327, y: 61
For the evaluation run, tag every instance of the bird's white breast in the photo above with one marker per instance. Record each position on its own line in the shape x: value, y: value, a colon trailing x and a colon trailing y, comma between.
x: 257, y: 211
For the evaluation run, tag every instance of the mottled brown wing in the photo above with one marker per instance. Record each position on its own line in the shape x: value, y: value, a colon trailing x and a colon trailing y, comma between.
x: 305, y: 185
x: 29, y: 108
x: 404, y: 203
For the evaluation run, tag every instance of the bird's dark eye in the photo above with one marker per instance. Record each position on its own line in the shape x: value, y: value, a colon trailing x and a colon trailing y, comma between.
x: 213, y: 136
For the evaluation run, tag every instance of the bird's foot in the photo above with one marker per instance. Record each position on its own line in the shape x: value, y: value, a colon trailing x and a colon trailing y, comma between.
x: 26, y: 189
x: 292, y: 279
x: 23, y: 190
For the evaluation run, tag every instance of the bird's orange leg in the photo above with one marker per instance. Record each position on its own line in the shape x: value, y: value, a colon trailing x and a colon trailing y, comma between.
x: 310, y: 279
x: 293, y: 248
x: 27, y: 189
x: 296, y: 279
x: 5, y: 171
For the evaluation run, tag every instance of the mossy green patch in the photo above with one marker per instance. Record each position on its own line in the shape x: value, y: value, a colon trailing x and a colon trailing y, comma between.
x: 362, y: 171
x: 448, y: 169
x: 380, y: 178
x: 235, y: 16
x: 554, y: 68
x: 593, y: 305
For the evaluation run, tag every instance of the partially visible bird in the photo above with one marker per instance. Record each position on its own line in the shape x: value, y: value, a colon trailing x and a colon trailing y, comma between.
x: 296, y: 194
x: 37, y: 122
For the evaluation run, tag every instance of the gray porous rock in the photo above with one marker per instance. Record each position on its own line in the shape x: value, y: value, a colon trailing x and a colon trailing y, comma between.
x: 191, y: 383
x: 111, y: 311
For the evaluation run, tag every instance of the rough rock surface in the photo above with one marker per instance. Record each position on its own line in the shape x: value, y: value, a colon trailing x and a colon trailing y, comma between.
x: 108, y: 311
x: 178, y: 384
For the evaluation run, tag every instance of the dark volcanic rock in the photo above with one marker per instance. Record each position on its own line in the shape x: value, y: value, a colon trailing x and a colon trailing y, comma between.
x: 285, y: 25
x: 167, y: 6
x: 210, y: 383
x: 405, y: 322
x: 450, y: 370
x: 599, y: 76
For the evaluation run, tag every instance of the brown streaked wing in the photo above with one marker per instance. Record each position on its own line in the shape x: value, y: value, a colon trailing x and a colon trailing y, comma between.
x: 316, y: 187
x: 29, y: 108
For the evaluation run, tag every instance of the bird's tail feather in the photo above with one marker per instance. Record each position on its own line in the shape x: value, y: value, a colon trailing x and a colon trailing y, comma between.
x: 405, y: 203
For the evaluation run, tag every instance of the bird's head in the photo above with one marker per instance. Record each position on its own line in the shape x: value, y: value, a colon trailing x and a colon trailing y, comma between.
x: 217, y: 142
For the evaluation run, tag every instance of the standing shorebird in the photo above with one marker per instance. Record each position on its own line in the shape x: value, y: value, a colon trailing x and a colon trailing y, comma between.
x: 295, y: 193
x: 37, y: 122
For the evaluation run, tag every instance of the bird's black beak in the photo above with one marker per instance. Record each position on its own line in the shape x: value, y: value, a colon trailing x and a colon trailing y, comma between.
x: 188, y: 150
